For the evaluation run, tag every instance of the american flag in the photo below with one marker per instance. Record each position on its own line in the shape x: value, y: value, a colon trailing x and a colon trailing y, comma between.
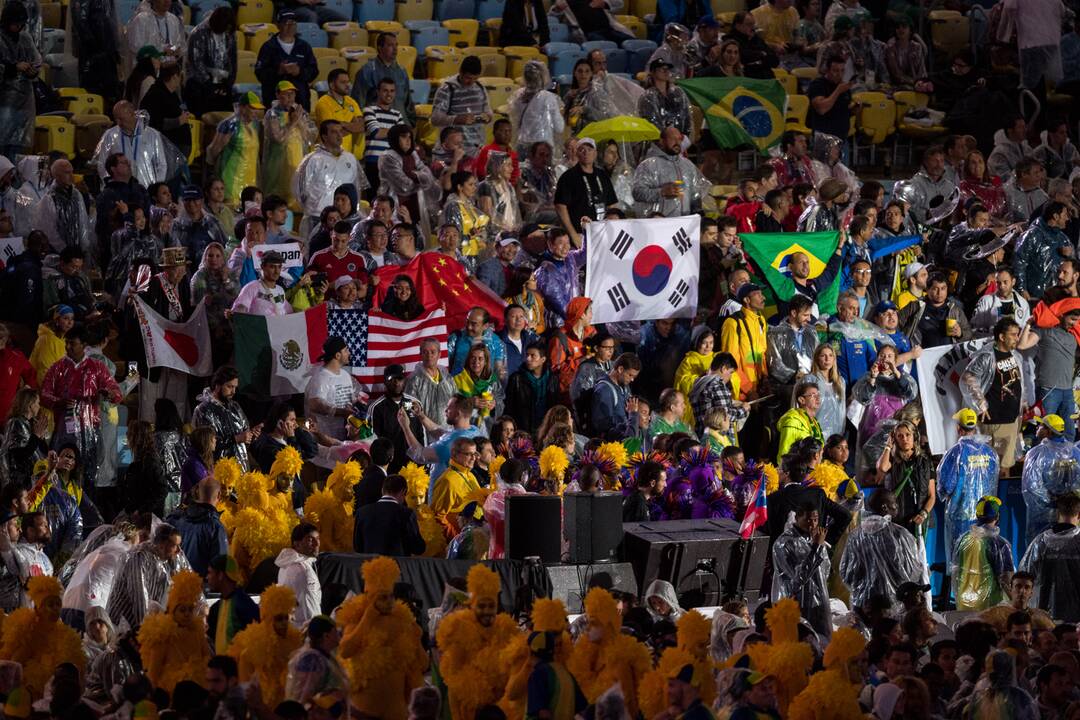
x: 757, y: 514
x: 376, y: 340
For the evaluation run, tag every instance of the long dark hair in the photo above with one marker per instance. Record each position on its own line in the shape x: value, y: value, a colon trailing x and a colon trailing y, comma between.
x: 409, y: 309
x: 394, y: 138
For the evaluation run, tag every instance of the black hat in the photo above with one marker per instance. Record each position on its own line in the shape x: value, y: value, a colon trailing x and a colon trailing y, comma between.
x: 394, y: 371
x: 332, y: 347
x: 659, y: 63
x: 273, y: 257
x: 907, y: 588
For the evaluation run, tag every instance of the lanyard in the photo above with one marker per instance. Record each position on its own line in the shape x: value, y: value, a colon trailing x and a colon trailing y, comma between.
x: 163, y: 31
x: 134, y: 144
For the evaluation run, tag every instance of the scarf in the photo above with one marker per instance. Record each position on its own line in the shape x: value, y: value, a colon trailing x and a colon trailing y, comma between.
x: 538, y: 384
x: 176, y: 309
x: 68, y: 218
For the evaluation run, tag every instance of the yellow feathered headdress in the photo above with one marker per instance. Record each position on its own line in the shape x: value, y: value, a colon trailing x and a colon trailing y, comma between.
x: 418, y: 481
x: 553, y: 463
x: 287, y: 462
x: 828, y: 477
x: 186, y: 589
x: 227, y: 471
x: 343, y: 477
x: 494, y: 465
x: 252, y: 491
x: 694, y: 630
x: 600, y: 608
x: 483, y: 582
x: 380, y: 574
x: 42, y: 587
x: 615, y: 452
x: 772, y: 478
x: 276, y: 600
x: 845, y: 645
x: 549, y: 616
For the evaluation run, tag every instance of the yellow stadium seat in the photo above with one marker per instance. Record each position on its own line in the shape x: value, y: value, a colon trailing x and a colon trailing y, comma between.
x: 726, y: 19
x: 52, y: 15
x: 787, y: 80
x: 463, y: 31
x: 414, y: 10
x: 196, y: 139
x: 88, y: 104
x: 374, y: 27
x: 185, y: 15
x: 950, y: 35
x: 331, y: 62
x: 255, y: 11
x: 729, y: 6
x: 641, y: 8
x: 321, y: 53
x: 88, y: 131
x: 255, y: 34
x: 945, y: 14
x: 875, y: 121
x: 53, y: 132
x: 426, y: 133
x: 806, y: 74
x: 493, y: 27
x: 406, y: 57
x: 245, y: 67
x: 798, y: 106
x: 442, y: 61
x: 517, y: 56
x: 357, y: 58
x: 499, y: 90
x: 908, y: 100
x: 634, y: 24
x: 70, y: 92
x: 344, y: 35
x: 492, y: 61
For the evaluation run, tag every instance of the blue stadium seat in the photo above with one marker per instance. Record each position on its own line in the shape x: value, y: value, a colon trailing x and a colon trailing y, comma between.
x: 490, y: 10
x: 636, y: 44
x: 455, y: 9
x: 553, y: 48
x: 563, y: 62
x: 314, y: 35
x: 420, y: 90
x: 125, y: 10
x: 598, y: 45
x: 414, y: 25
x: 203, y: 8
x: 618, y: 60
x: 639, y: 57
x: 369, y: 10
x: 424, y: 37
x: 559, y: 31
x: 344, y: 8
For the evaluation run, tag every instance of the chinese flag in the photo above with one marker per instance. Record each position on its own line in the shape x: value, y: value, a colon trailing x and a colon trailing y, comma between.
x: 442, y: 281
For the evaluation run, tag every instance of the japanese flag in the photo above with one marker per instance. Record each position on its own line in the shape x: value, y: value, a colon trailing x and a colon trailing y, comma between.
x: 180, y: 346
x: 643, y: 269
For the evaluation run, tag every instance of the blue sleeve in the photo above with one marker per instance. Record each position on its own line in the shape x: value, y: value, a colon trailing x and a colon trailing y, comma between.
x: 221, y: 541
x: 247, y: 273
x: 603, y: 410
x: 539, y: 691
x: 442, y: 452
x: 827, y: 275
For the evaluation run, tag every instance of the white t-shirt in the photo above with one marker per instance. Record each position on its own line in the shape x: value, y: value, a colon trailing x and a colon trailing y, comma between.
x: 338, y: 390
x: 256, y: 299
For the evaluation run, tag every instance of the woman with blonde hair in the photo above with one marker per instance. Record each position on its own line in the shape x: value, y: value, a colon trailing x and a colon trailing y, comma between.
x: 200, y: 458
x: 826, y: 376
x: 496, y: 196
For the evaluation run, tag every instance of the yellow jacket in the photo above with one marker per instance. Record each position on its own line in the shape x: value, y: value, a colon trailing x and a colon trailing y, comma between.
x: 48, y: 349
x: 451, y: 490
x: 743, y: 335
x: 693, y: 366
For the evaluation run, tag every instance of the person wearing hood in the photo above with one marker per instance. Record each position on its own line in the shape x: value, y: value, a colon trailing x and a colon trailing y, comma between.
x: 121, y: 192
x: 1053, y: 557
x: 982, y: 560
x: 62, y: 215
x: 21, y: 61
x: 326, y: 175
x: 662, y: 602
x: 936, y: 178
x: 1010, y: 147
x: 664, y: 103
x: 1056, y: 152
x: 558, y: 275
x: 296, y: 570
x: 997, y: 693
x: 211, y: 63
x: 234, y: 150
x: 461, y: 101
x: 801, y: 562
x: 1024, y: 192
x: 1051, y: 471
x: 100, y: 634
x: 33, y: 171
x: 665, y: 182
x: 143, y: 145
x: 1040, y: 249
x: 967, y: 472
x: 544, y: 120
x: 566, y: 349
x: 202, y: 536
x: 880, y: 555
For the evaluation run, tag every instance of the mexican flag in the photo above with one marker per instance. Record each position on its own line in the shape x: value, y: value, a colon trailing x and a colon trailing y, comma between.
x: 276, y: 355
x: 770, y: 252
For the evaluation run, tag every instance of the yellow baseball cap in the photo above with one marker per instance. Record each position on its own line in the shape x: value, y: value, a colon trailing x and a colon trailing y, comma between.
x: 284, y: 85
x: 966, y: 418
x: 251, y: 99
x: 1054, y: 422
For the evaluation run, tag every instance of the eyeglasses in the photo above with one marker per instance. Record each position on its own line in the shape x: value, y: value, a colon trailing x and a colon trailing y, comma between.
x: 607, y: 347
x: 469, y: 454
x: 861, y: 272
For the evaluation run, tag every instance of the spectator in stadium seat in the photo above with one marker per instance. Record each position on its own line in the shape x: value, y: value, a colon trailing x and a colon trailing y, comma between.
x: 385, y: 65
x: 284, y: 56
x: 211, y: 73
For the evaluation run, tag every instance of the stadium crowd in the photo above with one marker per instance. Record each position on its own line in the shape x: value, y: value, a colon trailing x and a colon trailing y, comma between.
x: 160, y: 531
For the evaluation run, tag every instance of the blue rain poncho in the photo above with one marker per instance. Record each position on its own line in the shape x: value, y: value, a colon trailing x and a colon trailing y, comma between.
x: 967, y: 472
x: 1051, y: 468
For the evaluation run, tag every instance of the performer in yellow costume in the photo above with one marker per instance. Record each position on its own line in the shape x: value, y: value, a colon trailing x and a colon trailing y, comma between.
x: 262, y: 649
x: 287, y: 466
x: 330, y: 509
x: 381, y: 650
x: 472, y: 642
x: 785, y: 658
x: 693, y: 642
x: 833, y: 694
x: 258, y: 529
x: 547, y: 616
x: 35, y: 637
x: 173, y: 644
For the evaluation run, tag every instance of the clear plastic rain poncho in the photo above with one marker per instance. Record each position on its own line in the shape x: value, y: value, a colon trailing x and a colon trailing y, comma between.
x: 322, y: 172
x: 97, y: 537
x: 535, y: 111
x: 34, y: 172
x: 979, y: 559
x: 142, y: 584
x: 801, y: 572
x: 1054, y: 559
x: 610, y: 96
x: 967, y: 472
x: 978, y: 376
x: 879, y: 557
x: 228, y: 420
x: 1051, y: 468
x: 17, y: 107
x: 660, y: 168
x: 149, y: 152
x: 826, y: 163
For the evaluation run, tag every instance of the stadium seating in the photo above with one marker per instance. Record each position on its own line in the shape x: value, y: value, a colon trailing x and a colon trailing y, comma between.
x: 517, y: 56
x: 374, y: 10
x: 357, y: 57
x: 255, y: 34
x: 420, y: 90
x: 875, y: 121
x: 490, y: 10
x: 428, y: 36
x: 255, y: 11
x: 406, y: 57
x: 54, y: 133
x: 313, y: 35
x: 408, y: 10
x: 345, y: 34
x: 375, y: 27
x: 455, y: 9
x: 463, y: 32
x: 442, y: 61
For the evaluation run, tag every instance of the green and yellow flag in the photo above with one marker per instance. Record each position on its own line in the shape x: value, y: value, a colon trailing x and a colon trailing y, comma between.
x: 770, y: 253
x: 740, y: 111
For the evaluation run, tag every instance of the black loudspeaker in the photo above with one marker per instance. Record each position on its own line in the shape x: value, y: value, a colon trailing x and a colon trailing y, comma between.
x: 570, y: 583
x: 593, y: 526
x: 698, y: 556
x: 534, y: 527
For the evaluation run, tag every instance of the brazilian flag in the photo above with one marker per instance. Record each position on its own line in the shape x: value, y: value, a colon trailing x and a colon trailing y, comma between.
x: 740, y: 111
x: 770, y: 253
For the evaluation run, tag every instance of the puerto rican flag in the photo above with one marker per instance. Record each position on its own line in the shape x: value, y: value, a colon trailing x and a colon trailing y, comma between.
x: 756, y: 514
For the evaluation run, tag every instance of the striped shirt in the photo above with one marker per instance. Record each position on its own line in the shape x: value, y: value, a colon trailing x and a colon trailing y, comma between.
x: 376, y: 119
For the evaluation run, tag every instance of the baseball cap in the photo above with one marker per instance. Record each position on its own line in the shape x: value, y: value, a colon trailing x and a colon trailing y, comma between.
x: 272, y: 257
x: 332, y: 347
x: 708, y: 22
x: 743, y: 292
x: 508, y: 240
x: 587, y: 141
x: 906, y: 588
x: 1053, y: 422
x: 148, y: 51
x: 191, y: 192
x: 394, y: 371
x: 988, y: 507
x: 284, y: 85
x: 883, y: 306
x: 912, y: 270
x: 966, y: 417
x: 342, y: 281
x: 659, y: 63
x: 251, y: 99
x: 285, y: 16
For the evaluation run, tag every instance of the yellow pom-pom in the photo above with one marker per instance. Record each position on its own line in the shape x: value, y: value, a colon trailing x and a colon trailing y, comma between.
x: 600, y: 607
x: 42, y: 587
x: 287, y: 462
x: 845, y: 645
x: 186, y: 589
x: 343, y: 477
x: 483, y: 582
x: 276, y: 600
x: 694, y: 630
x: 615, y: 452
x: 227, y: 471
x: 828, y: 476
x: 252, y: 491
x: 549, y: 616
x: 380, y: 574
x: 553, y: 462
x: 783, y: 621
x: 772, y: 478
x: 494, y: 465
x: 418, y: 481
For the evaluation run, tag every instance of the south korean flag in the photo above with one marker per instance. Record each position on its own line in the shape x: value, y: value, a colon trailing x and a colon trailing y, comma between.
x: 643, y: 269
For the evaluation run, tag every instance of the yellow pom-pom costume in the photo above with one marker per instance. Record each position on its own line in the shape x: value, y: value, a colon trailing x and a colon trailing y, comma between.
x: 416, y: 498
x: 494, y: 466
x: 287, y: 465
x: 612, y: 657
x: 833, y: 694
x: 785, y: 658
x: 330, y: 509
x: 173, y: 644
x: 547, y: 616
x: 472, y: 643
x: 260, y: 528
x: 772, y: 478
x: 828, y: 476
x: 262, y: 649
x: 37, y: 639
x: 693, y: 643
x: 228, y: 472
x: 381, y: 650
x: 615, y: 452
x: 553, y: 463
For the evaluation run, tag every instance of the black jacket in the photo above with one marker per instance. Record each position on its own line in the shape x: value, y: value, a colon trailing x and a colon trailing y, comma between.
x: 23, y: 288
x: 243, y: 610
x: 271, y: 55
x: 165, y: 108
x: 387, y: 527
x: 833, y: 516
x: 514, y: 31
x: 522, y: 404
x: 265, y: 449
x: 145, y: 486
x: 369, y: 489
x: 131, y: 194
x: 382, y: 414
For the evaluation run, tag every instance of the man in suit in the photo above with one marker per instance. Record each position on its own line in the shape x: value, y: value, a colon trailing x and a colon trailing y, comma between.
x: 370, y: 487
x: 388, y: 526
